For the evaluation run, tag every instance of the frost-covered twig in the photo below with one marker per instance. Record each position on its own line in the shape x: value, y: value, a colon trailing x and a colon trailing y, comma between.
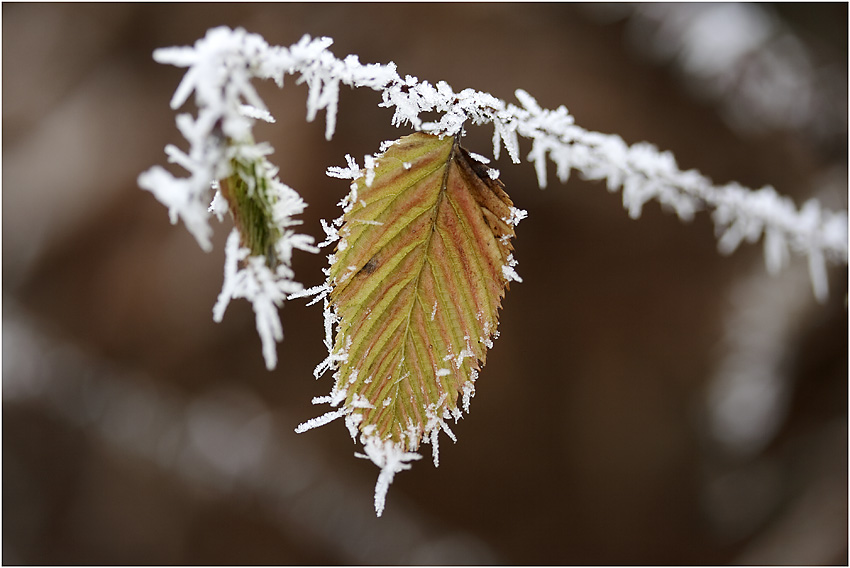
x: 643, y: 172
x: 220, y: 69
x: 222, y: 153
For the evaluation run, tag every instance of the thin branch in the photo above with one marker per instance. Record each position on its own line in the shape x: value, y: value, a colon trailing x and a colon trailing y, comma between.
x: 642, y: 171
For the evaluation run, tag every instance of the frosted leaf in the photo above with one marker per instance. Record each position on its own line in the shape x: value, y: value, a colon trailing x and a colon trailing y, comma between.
x: 470, y: 200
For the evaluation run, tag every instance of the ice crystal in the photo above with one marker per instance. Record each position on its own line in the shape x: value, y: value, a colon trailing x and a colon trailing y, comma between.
x: 321, y: 420
x: 391, y: 457
x: 265, y: 288
x: 508, y: 270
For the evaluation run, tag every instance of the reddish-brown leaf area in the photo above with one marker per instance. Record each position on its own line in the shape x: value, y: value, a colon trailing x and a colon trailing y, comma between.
x: 417, y: 283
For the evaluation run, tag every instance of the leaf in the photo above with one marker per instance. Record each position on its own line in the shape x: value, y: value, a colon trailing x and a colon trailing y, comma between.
x: 248, y: 199
x: 416, y: 283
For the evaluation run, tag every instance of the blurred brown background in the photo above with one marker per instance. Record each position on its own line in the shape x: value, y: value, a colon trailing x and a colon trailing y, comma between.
x: 649, y: 401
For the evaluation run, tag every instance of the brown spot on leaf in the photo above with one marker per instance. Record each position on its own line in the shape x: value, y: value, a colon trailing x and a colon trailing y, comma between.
x: 369, y: 267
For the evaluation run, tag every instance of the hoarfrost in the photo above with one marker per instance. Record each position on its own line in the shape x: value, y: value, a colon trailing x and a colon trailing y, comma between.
x: 264, y: 288
x: 319, y: 292
x: 516, y: 216
x: 218, y: 205
x: 370, y: 165
x: 360, y: 401
x: 258, y: 113
x: 386, y: 144
x: 391, y: 457
x: 352, y: 171
x: 352, y: 421
x: 464, y: 353
x: 338, y: 395
x: 468, y: 390
x: 508, y: 270
x: 321, y: 420
x: 435, y: 446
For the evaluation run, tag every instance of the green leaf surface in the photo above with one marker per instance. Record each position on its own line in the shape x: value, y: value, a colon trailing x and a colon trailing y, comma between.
x: 247, y: 195
x: 417, y: 280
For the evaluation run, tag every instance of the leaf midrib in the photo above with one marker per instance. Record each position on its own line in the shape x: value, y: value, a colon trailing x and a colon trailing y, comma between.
x: 415, y: 295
